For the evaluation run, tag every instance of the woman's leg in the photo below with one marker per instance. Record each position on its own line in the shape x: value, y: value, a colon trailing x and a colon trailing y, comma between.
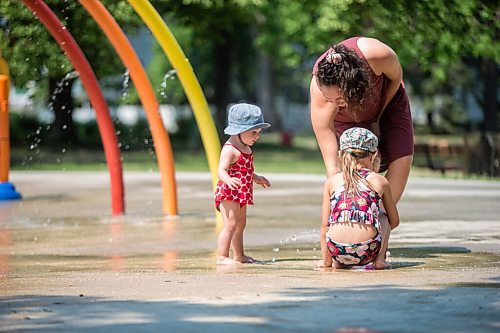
x: 397, y: 175
x: 230, y: 214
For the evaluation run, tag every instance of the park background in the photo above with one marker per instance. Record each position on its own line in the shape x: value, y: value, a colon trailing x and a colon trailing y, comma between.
x: 66, y: 265
x: 259, y: 52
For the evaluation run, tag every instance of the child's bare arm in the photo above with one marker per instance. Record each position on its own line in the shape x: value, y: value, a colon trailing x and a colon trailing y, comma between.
x: 325, y: 214
x: 261, y: 180
x: 228, y: 156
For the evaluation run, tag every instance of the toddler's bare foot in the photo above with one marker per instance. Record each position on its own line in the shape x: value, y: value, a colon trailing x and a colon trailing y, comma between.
x: 381, y: 264
x: 245, y: 260
x: 222, y: 260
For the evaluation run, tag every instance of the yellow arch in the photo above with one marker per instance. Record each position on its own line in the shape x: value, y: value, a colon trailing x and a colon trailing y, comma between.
x: 188, y: 80
x: 130, y: 59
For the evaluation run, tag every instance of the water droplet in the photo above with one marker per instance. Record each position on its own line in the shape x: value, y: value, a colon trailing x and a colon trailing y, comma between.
x: 64, y: 127
x: 276, y: 249
x: 274, y: 260
x: 294, y: 238
x: 63, y: 150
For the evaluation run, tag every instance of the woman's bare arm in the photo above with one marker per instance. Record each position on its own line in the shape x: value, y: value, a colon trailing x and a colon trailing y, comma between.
x: 390, y: 206
x: 325, y: 214
x: 322, y: 119
x: 383, y: 60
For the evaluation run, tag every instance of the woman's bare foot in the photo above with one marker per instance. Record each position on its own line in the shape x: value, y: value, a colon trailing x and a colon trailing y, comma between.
x: 381, y: 264
x: 222, y: 260
x: 245, y: 260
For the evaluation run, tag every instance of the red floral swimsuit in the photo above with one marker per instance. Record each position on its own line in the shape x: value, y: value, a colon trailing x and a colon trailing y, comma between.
x: 243, y: 170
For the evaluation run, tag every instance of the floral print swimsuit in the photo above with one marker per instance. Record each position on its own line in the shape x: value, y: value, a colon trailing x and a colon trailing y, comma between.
x: 242, y: 169
x: 363, y: 208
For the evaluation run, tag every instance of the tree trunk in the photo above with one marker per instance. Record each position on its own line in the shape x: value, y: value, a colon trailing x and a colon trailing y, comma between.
x: 61, y: 102
x: 265, y: 92
x: 490, y: 118
x: 222, y: 91
x: 486, y: 155
x: 490, y: 73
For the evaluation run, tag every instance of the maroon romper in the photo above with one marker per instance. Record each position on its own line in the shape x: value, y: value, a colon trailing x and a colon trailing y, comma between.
x: 396, y: 126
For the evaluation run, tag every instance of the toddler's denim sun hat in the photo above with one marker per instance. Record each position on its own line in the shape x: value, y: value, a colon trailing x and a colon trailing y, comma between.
x: 243, y: 117
x: 358, y: 138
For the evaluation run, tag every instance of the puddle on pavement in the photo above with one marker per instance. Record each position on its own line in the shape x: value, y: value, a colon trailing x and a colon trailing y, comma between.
x: 152, y: 243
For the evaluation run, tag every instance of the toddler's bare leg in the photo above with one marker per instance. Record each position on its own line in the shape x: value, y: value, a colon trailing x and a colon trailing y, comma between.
x: 237, y: 240
x: 230, y: 213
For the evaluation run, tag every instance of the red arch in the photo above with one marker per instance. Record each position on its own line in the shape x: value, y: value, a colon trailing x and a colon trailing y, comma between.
x: 89, y: 81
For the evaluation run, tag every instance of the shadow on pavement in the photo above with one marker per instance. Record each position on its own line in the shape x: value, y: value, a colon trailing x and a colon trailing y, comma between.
x: 380, y: 308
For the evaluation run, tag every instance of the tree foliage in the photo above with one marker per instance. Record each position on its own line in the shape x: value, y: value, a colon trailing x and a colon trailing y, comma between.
x: 225, y: 38
x: 32, y: 52
x: 433, y: 34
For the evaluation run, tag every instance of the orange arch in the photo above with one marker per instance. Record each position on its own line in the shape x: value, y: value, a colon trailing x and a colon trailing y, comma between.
x: 161, y: 140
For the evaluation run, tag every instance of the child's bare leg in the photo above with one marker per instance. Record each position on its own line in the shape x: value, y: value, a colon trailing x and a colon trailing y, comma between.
x: 385, y: 232
x: 237, y: 240
x: 230, y: 213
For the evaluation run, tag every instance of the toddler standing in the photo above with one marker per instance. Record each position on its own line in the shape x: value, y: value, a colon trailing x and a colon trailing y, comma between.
x: 236, y: 177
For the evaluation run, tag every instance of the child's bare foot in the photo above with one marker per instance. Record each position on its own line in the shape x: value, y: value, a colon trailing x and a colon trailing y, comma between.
x: 222, y: 260
x: 381, y: 264
x: 245, y: 260
x: 320, y: 264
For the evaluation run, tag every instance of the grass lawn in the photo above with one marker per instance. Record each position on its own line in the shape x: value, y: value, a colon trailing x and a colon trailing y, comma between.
x: 270, y: 156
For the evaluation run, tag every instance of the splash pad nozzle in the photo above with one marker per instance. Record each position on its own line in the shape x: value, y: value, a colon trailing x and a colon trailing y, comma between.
x: 8, y: 192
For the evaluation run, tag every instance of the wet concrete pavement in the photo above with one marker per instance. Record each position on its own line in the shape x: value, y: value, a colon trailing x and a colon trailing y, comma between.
x: 66, y: 265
